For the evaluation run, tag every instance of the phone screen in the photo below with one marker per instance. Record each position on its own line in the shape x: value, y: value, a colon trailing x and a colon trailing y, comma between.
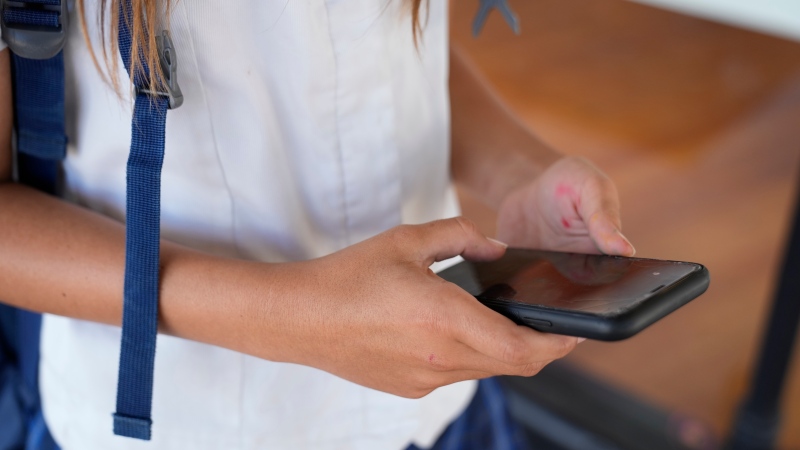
x: 597, y: 284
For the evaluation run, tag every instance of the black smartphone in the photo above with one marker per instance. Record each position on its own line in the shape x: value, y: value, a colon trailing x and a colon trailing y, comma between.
x: 599, y: 297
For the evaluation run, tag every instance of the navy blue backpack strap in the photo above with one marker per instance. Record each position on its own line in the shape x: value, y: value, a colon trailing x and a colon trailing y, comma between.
x: 35, y: 32
x: 39, y: 113
x: 140, y: 309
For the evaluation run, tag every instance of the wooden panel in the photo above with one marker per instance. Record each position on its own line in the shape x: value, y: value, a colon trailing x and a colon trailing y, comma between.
x: 628, y: 70
x: 699, y: 125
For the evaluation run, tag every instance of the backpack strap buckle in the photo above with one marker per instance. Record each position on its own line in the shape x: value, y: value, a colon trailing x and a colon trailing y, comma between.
x: 35, y: 29
x: 168, y: 59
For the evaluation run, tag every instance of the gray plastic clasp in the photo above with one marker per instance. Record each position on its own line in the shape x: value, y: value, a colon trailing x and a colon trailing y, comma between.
x: 168, y: 58
x: 34, y: 42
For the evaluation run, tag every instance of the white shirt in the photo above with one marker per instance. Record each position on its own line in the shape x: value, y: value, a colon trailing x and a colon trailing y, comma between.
x: 308, y: 126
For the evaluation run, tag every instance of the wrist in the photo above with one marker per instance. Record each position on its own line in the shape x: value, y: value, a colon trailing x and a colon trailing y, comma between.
x: 220, y: 301
x: 270, y: 301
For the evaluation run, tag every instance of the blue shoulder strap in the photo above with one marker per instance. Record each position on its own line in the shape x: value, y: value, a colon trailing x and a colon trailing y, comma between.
x: 35, y: 31
x: 486, y: 6
x: 140, y: 309
x: 39, y: 109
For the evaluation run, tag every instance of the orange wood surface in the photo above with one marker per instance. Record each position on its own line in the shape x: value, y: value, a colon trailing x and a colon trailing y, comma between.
x: 699, y: 125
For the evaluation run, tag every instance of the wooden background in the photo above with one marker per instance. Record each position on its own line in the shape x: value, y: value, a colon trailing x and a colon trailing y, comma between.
x: 699, y: 125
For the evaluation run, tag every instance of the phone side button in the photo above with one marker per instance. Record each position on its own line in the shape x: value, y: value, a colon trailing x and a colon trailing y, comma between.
x: 539, y: 322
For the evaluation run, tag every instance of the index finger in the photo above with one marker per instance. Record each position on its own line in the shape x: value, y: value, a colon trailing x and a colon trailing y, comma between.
x: 599, y: 209
x: 446, y: 238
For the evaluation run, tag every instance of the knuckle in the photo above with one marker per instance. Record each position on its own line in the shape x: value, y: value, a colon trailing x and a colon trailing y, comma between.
x: 447, y: 316
x: 405, y: 237
x: 424, y: 384
x: 467, y: 226
x: 513, y: 352
x: 439, y: 364
x: 432, y: 324
x: 421, y: 392
x: 404, y: 232
x: 531, y: 369
x: 435, y: 321
x: 564, y: 346
x: 412, y: 393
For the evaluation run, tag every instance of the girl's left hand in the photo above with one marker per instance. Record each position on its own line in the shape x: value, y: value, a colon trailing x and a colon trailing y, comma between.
x: 572, y: 206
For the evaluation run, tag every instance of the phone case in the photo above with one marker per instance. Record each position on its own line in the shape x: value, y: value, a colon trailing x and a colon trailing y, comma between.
x: 606, y: 328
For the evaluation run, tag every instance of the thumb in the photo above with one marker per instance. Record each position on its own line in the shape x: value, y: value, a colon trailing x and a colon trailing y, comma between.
x: 444, y: 239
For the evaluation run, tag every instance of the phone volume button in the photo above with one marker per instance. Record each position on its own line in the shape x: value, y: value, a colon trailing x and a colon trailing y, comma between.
x: 539, y: 322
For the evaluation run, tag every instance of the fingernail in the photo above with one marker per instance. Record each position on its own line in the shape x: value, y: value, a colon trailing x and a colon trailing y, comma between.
x: 581, y: 340
x: 633, y: 249
x: 502, y: 244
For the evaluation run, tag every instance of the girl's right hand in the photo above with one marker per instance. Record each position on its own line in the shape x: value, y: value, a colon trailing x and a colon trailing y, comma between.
x: 375, y: 314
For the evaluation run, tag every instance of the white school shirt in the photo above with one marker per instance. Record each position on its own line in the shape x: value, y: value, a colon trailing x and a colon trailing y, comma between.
x: 308, y: 126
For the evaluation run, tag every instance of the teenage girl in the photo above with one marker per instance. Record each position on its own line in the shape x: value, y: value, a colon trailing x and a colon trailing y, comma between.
x: 307, y: 188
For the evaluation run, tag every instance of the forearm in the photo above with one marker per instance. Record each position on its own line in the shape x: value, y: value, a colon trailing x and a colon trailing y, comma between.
x: 493, y: 152
x: 61, y: 259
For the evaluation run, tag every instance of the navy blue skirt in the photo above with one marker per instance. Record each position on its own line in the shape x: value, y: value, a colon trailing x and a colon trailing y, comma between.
x: 484, y: 425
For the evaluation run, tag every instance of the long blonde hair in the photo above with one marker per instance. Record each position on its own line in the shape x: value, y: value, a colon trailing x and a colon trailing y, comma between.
x: 147, y: 18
